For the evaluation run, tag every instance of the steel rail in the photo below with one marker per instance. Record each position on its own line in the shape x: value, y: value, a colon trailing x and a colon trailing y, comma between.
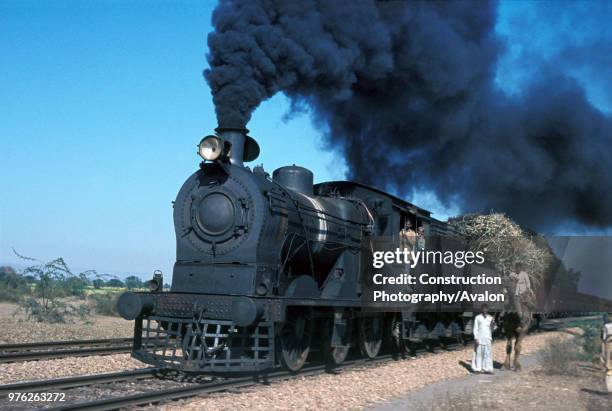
x: 41, y: 355
x: 57, y: 349
x: 77, y: 381
x: 210, y: 387
x: 64, y: 343
x: 181, y: 392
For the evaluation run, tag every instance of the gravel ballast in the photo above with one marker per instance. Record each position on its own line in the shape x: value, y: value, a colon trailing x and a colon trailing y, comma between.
x: 355, y: 388
x: 64, y: 367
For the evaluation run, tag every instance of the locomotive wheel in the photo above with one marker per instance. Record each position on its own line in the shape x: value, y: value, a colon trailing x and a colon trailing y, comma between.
x: 333, y: 355
x: 294, y: 339
x: 370, y: 335
x: 460, y: 339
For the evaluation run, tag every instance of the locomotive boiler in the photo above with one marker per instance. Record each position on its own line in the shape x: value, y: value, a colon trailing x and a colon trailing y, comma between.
x: 268, y: 267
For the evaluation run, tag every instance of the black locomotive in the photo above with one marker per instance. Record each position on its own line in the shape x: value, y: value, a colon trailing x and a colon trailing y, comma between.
x: 267, y: 268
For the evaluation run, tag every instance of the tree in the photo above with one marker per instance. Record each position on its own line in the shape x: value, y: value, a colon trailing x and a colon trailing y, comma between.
x: 52, y: 278
x: 133, y: 282
x: 54, y: 281
x: 76, y: 285
x: 7, y: 270
x: 13, y: 286
x: 115, y: 282
x: 98, y: 283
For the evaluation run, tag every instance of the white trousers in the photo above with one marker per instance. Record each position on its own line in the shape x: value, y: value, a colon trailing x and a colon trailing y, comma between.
x: 482, y: 360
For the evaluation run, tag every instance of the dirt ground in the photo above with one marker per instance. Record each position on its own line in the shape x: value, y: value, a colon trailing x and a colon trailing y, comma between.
x: 535, y: 390
x: 562, y: 377
x: 531, y: 390
x: 15, y: 328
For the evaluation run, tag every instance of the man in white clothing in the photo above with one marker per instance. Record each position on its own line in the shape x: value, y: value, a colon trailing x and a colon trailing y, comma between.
x: 523, y: 284
x: 606, y: 356
x: 484, y: 324
x: 523, y: 292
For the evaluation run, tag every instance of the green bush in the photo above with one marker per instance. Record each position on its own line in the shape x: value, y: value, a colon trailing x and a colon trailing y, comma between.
x: 559, y: 357
x: 133, y: 282
x: 115, y: 282
x: 105, y: 303
x: 590, y: 343
x: 13, y: 286
x: 53, y: 283
x: 76, y: 285
x: 53, y: 311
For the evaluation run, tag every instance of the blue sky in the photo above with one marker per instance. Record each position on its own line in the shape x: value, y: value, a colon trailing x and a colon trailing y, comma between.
x: 103, y: 102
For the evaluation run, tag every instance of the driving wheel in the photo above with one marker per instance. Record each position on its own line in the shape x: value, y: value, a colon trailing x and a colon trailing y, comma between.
x: 295, y: 337
x: 335, y: 355
x: 370, y: 335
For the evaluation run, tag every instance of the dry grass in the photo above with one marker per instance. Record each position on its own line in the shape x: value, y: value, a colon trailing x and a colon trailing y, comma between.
x: 505, y: 243
x: 559, y: 358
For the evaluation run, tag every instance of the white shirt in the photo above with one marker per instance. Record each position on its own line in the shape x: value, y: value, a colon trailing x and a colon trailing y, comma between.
x: 483, y: 329
x: 523, y: 283
x: 607, y: 331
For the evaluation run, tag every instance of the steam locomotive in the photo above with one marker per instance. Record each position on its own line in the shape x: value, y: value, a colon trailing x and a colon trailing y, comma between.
x: 269, y: 268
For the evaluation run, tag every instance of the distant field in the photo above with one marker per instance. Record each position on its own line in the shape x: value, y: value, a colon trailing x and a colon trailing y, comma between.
x: 89, y: 290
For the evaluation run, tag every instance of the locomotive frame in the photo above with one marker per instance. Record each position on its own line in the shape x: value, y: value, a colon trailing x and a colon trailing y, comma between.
x: 268, y: 267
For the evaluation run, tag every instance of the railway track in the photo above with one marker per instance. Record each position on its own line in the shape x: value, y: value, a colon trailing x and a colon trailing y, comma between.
x: 175, y: 393
x: 193, y: 389
x: 78, y: 381
x: 218, y: 385
x: 59, y: 349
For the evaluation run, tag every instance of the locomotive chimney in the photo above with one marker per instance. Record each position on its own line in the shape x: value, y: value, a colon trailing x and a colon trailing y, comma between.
x: 244, y: 147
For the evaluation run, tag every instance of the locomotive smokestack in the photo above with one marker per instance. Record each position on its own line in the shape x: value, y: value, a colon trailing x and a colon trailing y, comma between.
x: 244, y: 147
x: 236, y: 136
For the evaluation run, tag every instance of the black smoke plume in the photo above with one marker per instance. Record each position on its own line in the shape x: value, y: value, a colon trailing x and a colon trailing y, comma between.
x: 406, y: 92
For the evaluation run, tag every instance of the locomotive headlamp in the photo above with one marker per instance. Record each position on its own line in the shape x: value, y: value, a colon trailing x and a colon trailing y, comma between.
x: 157, y: 283
x: 213, y: 148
